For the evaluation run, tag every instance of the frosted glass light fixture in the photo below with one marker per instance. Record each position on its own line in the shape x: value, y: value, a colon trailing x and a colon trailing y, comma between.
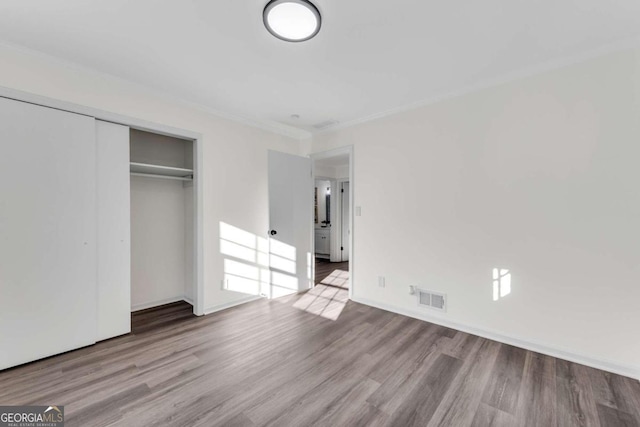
x: 292, y: 20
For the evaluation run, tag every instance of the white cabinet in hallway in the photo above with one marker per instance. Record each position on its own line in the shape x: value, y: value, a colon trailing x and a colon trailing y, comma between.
x: 323, y: 241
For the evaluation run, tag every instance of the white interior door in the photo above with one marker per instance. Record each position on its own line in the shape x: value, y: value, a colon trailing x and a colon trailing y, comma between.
x: 47, y: 232
x: 290, y: 219
x: 344, y: 216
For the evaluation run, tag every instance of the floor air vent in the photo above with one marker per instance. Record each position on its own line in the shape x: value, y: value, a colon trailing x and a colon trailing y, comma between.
x: 432, y: 300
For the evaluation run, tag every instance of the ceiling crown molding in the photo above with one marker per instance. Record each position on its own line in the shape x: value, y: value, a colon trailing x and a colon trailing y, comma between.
x: 267, y: 125
x: 526, y: 72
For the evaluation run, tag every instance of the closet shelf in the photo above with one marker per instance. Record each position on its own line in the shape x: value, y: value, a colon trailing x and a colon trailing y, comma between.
x: 157, y: 171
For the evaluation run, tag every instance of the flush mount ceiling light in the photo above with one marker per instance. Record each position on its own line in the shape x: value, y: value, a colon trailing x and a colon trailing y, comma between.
x: 292, y: 20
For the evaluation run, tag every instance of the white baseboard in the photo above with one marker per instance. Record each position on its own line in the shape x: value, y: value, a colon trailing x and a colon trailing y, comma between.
x: 151, y: 304
x: 605, y: 365
x: 231, y: 304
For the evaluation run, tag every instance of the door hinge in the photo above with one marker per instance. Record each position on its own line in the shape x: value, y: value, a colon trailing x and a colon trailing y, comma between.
x: 342, y: 191
x: 341, y: 248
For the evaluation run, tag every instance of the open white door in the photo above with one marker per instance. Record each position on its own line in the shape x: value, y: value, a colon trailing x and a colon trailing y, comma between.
x: 290, y: 218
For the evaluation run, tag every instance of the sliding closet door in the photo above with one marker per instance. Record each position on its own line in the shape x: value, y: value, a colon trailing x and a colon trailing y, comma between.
x: 47, y: 232
x: 114, y: 218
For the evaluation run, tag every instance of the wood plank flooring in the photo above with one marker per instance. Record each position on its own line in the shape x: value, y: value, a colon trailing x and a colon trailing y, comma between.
x: 315, y: 359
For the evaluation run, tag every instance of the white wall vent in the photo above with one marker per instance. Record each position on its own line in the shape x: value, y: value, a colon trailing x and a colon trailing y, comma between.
x: 434, y: 300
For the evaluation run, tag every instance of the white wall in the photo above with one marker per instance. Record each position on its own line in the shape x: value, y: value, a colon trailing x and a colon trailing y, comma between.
x: 539, y: 176
x: 336, y: 172
x: 324, y: 171
x: 342, y: 172
x: 158, y: 257
x: 234, y: 154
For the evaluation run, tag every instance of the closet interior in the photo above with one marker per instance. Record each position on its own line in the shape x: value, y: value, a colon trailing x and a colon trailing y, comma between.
x: 162, y: 214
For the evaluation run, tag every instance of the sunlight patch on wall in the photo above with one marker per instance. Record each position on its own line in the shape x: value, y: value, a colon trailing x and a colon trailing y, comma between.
x: 243, y: 245
x: 283, y: 264
x: 237, y: 235
x: 283, y: 284
x: 282, y: 249
x: 248, y: 262
x: 501, y: 283
x: 241, y: 277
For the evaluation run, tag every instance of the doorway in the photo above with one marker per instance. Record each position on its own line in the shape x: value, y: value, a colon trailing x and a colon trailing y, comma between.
x: 332, y: 220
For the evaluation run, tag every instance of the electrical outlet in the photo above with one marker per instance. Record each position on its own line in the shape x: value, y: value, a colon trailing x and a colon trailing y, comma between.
x: 358, y: 211
x: 381, y: 281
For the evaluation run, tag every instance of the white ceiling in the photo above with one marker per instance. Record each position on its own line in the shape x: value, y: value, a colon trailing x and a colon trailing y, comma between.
x: 371, y: 56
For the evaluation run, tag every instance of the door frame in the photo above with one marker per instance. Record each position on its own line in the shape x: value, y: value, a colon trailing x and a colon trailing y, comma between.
x: 340, y: 183
x: 143, y: 125
x: 334, y: 183
x: 348, y: 149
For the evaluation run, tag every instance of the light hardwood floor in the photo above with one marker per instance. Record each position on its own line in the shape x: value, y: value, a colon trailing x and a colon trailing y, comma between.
x: 287, y: 363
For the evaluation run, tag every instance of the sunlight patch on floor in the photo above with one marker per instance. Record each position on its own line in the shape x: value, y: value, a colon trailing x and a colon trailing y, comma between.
x: 324, y: 301
x: 338, y: 278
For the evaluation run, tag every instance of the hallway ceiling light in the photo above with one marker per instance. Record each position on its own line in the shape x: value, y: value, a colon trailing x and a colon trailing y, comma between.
x: 292, y: 20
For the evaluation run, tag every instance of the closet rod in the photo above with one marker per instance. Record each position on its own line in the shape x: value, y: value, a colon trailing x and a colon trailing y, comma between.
x: 151, y: 175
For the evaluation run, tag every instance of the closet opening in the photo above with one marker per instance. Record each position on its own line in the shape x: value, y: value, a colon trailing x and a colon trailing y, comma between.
x: 163, y: 223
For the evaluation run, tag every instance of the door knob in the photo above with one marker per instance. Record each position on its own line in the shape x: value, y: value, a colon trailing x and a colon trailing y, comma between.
x: 273, y: 232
